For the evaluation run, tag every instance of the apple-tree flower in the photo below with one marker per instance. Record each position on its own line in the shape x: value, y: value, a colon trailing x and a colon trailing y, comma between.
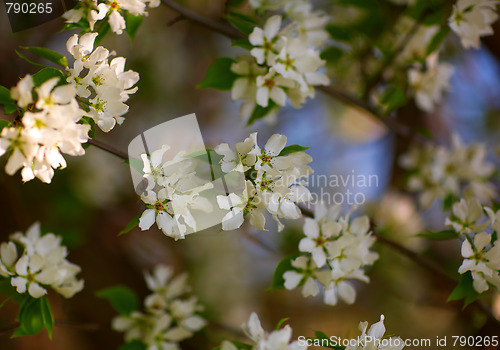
x: 34, y: 262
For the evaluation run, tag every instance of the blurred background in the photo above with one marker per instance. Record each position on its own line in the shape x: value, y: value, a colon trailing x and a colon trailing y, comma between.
x: 91, y: 200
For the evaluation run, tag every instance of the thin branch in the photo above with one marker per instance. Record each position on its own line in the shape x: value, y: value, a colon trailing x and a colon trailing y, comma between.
x: 379, y: 74
x: 229, y: 32
x: 108, y: 149
x: 9, y: 328
x: 203, y: 21
x: 421, y: 260
x: 261, y: 243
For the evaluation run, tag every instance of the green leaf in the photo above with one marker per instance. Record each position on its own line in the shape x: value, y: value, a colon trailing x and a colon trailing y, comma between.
x: 242, y: 22
x: 439, y: 235
x: 437, y: 40
x: 393, y: 98
x: 30, y: 318
x: 28, y: 60
x: 465, y: 290
x: 281, y: 323
x: 260, y: 112
x: 448, y: 201
x: 47, y: 73
x: 48, y: 54
x: 5, y: 95
x: 331, y: 54
x: 338, y: 33
x: 293, y: 149
x: 9, y: 105
x: 47, y: 315
x: 219, y: 75
x: 242, y: 43
x: 123, y: 299
x: 7, y: 289
x: 102, y: 30
x: 131, y: 225
x: 133, y: 345
x: 132, y: 24
x: 283, y: 266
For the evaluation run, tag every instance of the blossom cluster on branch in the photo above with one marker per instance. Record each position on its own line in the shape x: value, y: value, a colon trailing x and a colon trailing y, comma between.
x: 437, y: 172
x: 337, y: 251
x: 478, y: 227
x: 171, y: 314
x: 115, y: 12
x: 34, y: 262
x: 275, y: 181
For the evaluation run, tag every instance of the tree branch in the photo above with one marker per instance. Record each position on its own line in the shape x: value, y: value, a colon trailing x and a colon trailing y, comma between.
x: 421, y: 260
x: 108, y: 149
x: 229, y: 32
x: 203, y: 21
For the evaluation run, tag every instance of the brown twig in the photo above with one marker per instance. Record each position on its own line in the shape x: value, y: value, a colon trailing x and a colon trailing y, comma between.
x: 229, y: 32
x: 108, y: 148
x: 203, y: 21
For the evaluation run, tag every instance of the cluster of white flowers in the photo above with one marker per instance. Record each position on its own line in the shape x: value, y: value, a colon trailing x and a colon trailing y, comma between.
x: 50, y: 125
x: 373, y: 338
x: 261, y: 340
x: 171, y: 313
x: 105, y: 84
x: 339, y: 250
x: 438, y: 172
x: 429, y: 81
x: 34, y: 263
x: 472, y: 19
x: 305, y: 20
x: 172, y: 191
x: 90, y: 11
x: 274, y: 183
x: 480, y: 249
x: 284, y: 64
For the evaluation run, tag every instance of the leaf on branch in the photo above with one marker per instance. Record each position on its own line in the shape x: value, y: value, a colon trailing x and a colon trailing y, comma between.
x: 281, y: 323
x: 293, y: 149
x: 219, y: 75
x: 283, y: 266
x: 123, y: 299
x: 9, y: 105
x: 331, y: 54
x: 242, y: 43
x: 437, y: 40
x: 28, y: 60
x: 439, y: 235
x: 131, y: 225
x: 47, y: 73
x: 52, y: 56
x: 338, y: 33
x: 132, y: 25
x: 465, y: 290
x: 102, y: 30
x: 393, y: 97
x: 261, y: 112
x: 243, y: 23
x: 34, y: 315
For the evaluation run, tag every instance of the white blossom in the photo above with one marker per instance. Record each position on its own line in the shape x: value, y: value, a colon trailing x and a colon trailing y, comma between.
x: 39, y: 264
x: 373, y: 338
x: 51, y: 126
x: 107, y: 83
x: 430, y: 83
x: 171, y: 314
x: 173, y: 190
x: 339, y: 248
x: 275, y: 183
x: 472, y: 19
x: 438, y: 172
x: 261, y: 340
